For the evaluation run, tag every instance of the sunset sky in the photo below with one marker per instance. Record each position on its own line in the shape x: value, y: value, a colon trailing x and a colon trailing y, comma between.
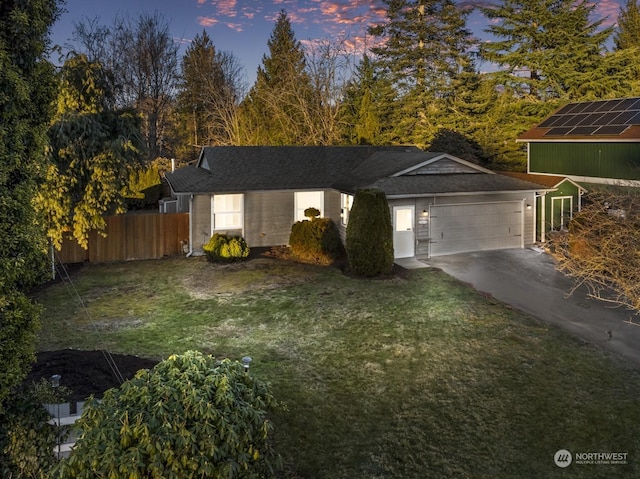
x: 244, y: 26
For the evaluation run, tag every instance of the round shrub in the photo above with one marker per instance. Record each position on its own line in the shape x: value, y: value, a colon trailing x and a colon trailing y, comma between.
x: 316, y: 241
x: 223, y: 247
x: 370, y: 234
x: 312, y: 213
x: 189, y: 416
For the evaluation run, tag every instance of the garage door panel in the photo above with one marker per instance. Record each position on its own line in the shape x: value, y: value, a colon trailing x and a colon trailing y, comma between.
x: 475, y: 227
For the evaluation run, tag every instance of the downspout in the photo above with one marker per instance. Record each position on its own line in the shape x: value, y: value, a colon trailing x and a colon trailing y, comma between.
x: 190, y: 226
x: 543, y: 219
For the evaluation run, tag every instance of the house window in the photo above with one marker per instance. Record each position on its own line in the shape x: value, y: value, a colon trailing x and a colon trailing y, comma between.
x: 308, y: 199
x: 346, y: 202
x: 226, y: 212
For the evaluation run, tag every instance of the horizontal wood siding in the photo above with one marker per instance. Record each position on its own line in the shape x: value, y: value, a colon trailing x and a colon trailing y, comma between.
x: 268, y: 217
x: 332, y: 205
x: 131, y: 237
x: 422, y: 226
x: 201, y: 221
x: 591, y: 160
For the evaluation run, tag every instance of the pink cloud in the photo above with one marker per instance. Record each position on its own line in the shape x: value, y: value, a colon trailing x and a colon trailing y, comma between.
x: 608, y: 10
x: 235, y: 26
x: 226, y: 8
x: 359, y: 12
x: 207, y: 21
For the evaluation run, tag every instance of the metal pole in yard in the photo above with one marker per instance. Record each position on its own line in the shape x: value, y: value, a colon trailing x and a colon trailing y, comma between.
x: 55, y: 382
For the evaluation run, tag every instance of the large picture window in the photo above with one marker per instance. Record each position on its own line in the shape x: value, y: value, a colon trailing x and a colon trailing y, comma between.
x: 308, y: 199
x: 226, y: 212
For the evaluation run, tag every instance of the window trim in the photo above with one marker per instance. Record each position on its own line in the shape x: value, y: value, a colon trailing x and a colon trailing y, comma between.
x: 346, y: 203
x: 300, y: 209
x: 240, y: 212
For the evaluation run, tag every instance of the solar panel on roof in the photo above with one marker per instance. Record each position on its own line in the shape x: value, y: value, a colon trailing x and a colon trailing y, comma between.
x: 634, y: 120
x: 609, y: 118
x: 591, y: 107
x: 624, y: 117
x: 611, y: 130
x: 583, y: 130
x: 626, y: 104
x: 566, y: 109
x: 574, y: 120
x: 591, y: 120
x: 579, y: 107
x: 549, y: 122
x: 559, y: 131
x: 611, y: 105
x: 562, y: 120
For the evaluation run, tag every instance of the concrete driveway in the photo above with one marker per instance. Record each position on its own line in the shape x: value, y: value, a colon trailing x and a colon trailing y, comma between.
x: 527, y: 280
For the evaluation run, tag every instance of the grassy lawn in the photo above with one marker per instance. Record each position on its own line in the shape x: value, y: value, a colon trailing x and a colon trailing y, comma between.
x: 417, y: 376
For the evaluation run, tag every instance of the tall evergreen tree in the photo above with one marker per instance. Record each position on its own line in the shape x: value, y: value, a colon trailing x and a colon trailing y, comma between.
x: 365, y: 111
x: 27, y: 90
x: 547, y: 49
x: 209, y: 92
x: 628, y: 32
x: 278, y: 109
x: 426, y: 46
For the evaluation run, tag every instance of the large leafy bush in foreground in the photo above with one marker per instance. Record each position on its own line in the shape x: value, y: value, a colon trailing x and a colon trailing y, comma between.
x: 190, y: 416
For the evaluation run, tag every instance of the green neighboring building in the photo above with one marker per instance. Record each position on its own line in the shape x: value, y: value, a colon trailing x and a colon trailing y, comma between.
x: 589, y: 142
x: 579, y: 145
x: 554, y: 209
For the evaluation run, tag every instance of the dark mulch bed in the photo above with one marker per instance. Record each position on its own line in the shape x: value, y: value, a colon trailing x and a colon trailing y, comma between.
x: 86, y: 372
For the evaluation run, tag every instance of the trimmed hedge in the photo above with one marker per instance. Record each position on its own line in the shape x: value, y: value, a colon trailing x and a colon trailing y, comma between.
x: 370, y: 234
x: 221, y: 248
x: 316, y: 241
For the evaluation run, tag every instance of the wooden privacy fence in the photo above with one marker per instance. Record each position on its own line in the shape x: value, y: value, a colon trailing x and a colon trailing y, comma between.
x: 133, y: 236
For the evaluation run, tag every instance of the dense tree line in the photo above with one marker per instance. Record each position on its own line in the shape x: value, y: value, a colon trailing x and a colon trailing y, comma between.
x: 422, y: 77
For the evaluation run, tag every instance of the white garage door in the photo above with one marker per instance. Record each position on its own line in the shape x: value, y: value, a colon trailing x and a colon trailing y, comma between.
x: 475, y: 227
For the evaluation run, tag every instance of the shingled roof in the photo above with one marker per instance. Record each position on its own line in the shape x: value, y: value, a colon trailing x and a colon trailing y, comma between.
x: 228, y: 169
x: 550, y: 181
x: 240, y: 169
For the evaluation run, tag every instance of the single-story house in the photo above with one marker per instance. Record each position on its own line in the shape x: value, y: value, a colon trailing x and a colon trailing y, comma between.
x: 439, y: 204
x: 556, y: 207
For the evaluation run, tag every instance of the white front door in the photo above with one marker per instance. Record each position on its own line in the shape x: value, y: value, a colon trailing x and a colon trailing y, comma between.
x: 404, y: 239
